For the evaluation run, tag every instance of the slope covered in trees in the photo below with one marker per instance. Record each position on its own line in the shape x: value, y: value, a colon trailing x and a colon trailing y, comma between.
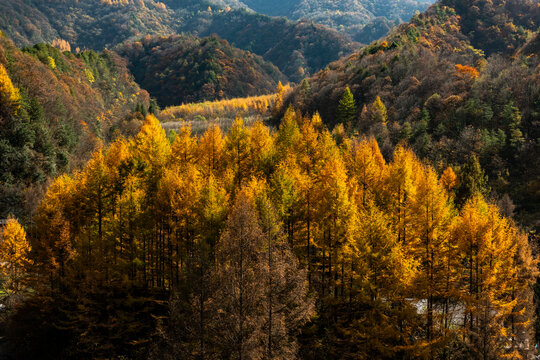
x: 99, y: 24
x: 461, y: 78
x: 182, y: 69
x: 385, y: 231
x: 94, y: 24
x: 296, y: 48
x: 54, y: 108
x: 357, y: 18
x: 237, y: 228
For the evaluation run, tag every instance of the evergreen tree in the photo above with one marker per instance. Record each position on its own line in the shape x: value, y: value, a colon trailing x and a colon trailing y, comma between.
x: 346, y: 110
x: 512, y: 118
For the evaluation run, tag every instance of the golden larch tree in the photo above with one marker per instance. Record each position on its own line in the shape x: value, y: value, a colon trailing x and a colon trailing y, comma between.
x: 14, y: 256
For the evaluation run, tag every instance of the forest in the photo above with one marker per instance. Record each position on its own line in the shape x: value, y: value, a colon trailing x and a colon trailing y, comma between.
x: 201, y: 180
x: 364, y: 21
x: 103, y: 24
x: 53, y: 105
x: 449, y: 87
x: 253, y: 233
x: 184, y: 69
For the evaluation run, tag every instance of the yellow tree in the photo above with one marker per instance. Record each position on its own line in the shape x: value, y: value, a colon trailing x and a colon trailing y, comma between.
x: 152, y: 151
x: 53, y: 244
x: 9, y: 94
x: 487, y: 246
x: 210, y: 152
x: 95, y: 196
x: 311, y: 155
x: 449, y: 180
x: 278, y: 104
x: 288, y: 134
x: 151, y: 145
x: 379, y: 114
x: 308, y: 148
x: 287, y: 184
x: 211, y: 213
x: 429, y: 242
x: 379, y: 320
x: 128, y: 223
x: 180, y: 192
x: 118, y: 160
x: 237, y: 151
x: 184, y: 148
x: 261, y: 150
x: 521, y: 326
x: 399, y: 188
x: 333, y: 215
x: 14, y: 257
x: 367, y: 166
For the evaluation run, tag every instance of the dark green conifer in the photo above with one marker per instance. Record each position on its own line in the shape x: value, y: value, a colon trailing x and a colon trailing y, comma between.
x: 346, y: 110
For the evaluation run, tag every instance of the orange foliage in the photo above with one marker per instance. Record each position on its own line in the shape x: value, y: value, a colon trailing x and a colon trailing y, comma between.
x: 258, y: 105
x: 467, y: 70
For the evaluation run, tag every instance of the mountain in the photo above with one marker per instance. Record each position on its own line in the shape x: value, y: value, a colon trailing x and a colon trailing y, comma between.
x: 461, y: 78
x: 93, y: 24
x: 391, y: 212
x: 181, y: 69
x: 55, y: 109
x: 297, y: 48
x: 348, y: 16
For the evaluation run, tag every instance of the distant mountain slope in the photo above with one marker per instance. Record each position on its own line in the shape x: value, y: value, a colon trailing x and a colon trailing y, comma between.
x: 429, y: 46
x: 532, y: 50
x: 296, y: 48
x: 91, y: 24
x: 348, y: 16
x: 55, y: 108
x: 181, y: 69
x: 496, y: 26
x: 456, y: 80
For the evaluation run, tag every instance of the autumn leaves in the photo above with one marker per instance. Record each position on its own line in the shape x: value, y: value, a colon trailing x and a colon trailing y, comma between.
x: 394, y: 266
x: 14, y: 258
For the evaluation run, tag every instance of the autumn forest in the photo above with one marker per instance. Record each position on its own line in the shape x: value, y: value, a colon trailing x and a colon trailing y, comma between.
x: 206, y: 180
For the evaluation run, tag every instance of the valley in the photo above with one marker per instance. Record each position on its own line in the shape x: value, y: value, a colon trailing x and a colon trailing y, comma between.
x: 227, y: 179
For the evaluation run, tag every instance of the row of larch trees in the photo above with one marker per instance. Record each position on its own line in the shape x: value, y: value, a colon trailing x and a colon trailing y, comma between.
x: 257, y: 233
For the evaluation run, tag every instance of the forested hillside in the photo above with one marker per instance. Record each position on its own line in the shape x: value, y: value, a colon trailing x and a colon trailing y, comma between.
x: 295, y: 48
x: 385, y: 207
x: 184, y: 69
x: 91, y: 24
x: 356, y: 18
x: 240, y: 227
x: 459, y: 79
x: 55, y: 107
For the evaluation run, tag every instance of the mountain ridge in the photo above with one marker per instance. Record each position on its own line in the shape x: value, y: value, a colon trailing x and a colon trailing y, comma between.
x: 100, y: 24
x: 182, y: 69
